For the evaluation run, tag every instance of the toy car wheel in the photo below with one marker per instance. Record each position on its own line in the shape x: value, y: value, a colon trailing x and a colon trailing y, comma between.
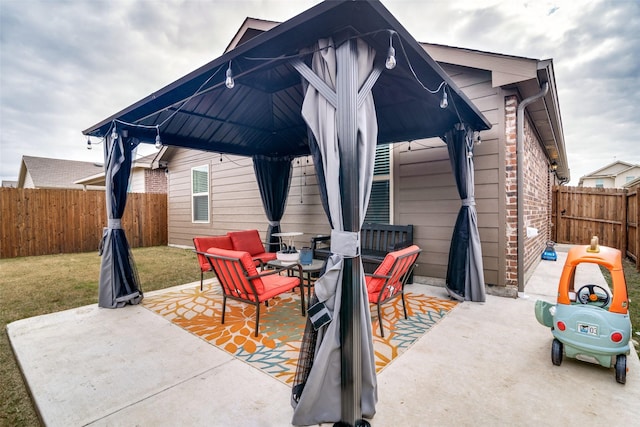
x: 621, y: 368
x: 556, y: 352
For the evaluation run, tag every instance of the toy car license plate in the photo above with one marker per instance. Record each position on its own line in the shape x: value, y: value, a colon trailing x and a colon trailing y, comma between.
x: 587, y: 329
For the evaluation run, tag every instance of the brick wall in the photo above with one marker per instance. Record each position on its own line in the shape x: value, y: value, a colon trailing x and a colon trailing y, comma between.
x: 537, y: 195
x: 511, y: 193
x: 155, y: 181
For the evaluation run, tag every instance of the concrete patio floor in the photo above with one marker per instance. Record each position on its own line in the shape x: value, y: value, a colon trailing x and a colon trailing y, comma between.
x: 484, y: 364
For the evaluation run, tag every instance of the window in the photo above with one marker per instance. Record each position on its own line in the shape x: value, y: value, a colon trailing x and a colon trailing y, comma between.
x: 599, y: 183
x: 630, y: 178
x: 200, y: 194
x: 379, y: 202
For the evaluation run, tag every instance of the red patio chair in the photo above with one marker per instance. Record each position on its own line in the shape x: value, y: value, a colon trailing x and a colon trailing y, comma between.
x: 388, y: 281
x: 202, y: 243
x: 240, y: 280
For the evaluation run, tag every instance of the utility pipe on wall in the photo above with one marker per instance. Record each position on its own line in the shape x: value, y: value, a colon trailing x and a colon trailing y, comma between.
x: 520, y: 184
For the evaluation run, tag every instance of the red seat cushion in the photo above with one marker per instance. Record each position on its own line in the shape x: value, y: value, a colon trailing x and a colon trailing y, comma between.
x: 247, y: 240
x: 276, y: 284
x: 202, y: 243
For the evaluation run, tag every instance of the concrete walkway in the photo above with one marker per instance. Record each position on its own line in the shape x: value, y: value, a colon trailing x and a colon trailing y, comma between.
x: 484, y: 364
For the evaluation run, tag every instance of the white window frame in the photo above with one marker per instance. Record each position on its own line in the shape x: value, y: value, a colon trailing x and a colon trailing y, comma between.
x: 202, y: 168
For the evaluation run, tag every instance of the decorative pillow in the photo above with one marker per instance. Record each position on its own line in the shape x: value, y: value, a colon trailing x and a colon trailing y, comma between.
x: 202, y: 243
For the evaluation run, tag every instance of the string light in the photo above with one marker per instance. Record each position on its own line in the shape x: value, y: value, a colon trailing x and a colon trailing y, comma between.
x: 391, y: 62
x: 229, y: 82
x: 158, y: 140
x: 444, y: 102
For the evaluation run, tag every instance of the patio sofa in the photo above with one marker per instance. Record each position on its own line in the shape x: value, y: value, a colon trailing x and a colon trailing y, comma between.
x: 244, y: 241
x: 376, y: 241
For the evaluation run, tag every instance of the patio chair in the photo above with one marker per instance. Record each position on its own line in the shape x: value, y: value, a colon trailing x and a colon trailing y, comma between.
x: 387, y: 282
x: 240, y: 280
x: 201, y: 244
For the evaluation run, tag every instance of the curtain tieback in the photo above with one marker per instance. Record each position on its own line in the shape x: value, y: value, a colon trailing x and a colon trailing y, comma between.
x: 274, y: 223
x: 345, y: 243
x: 114, y: 224
x: 469, y: 201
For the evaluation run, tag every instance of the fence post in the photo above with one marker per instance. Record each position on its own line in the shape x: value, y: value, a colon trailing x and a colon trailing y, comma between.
x: 637, y: 221
x: 623, y: 224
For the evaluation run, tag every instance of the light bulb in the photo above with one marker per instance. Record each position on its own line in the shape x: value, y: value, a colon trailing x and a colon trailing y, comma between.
x: 158, y: 141
x: 88, y: 143
x: 229, y: 80
x: 390, y: 63
x: 444, y: 102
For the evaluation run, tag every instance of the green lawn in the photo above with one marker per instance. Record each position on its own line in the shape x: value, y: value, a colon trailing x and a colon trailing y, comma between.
x: 31, y: 286
x: 632, y: 277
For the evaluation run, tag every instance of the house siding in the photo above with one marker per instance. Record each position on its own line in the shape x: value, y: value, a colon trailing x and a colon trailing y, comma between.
x: 425, y: 192
x: 136, y: 182
x: 235, y: 202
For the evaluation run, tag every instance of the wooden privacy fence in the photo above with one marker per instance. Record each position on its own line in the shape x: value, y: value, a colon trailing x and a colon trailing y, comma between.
x: 612, y: 214
x: 43, y: 222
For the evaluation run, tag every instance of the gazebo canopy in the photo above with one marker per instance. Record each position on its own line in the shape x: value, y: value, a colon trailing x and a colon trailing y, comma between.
x: 350, y: 102
x: 261, y: 114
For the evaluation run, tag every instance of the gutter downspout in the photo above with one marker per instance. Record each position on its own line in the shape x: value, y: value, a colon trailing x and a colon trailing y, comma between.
x: 520, y: 184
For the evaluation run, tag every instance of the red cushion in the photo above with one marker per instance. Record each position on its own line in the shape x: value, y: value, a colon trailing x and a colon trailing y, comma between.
x: 265, y: 256
x: 247, y: 240
x: 247, y: 263
x: 276, y: 284
x: 374, y: 285
x: 202, y: 243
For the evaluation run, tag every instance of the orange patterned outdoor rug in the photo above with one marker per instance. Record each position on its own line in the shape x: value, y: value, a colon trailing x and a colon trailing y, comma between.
x: 276, y: 348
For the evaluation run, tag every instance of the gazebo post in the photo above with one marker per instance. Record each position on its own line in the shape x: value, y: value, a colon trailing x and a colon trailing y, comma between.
x: 350, y: 328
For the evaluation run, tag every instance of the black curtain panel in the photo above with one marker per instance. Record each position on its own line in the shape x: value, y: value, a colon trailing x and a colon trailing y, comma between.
x: 274, y: 180
x: 119, y: 284
x: 465, y: 276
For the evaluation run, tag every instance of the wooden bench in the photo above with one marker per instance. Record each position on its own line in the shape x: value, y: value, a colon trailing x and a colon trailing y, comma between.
x: 376, y: 241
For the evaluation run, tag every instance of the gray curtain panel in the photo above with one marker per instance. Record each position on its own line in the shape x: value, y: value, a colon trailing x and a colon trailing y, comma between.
x: 274, y: 180
x: 320, y: 398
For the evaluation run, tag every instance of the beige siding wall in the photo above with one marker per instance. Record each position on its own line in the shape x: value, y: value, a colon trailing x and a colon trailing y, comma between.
x: 425, y: 189
x: 136, y: 181
x: 235, y: 202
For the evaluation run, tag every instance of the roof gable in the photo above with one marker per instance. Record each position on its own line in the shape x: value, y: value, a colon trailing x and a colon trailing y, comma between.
x: 612, y: 169
x: 55, y: 173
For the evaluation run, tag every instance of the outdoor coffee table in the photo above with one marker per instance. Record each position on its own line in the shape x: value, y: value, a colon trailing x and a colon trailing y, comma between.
x: 307, y: 270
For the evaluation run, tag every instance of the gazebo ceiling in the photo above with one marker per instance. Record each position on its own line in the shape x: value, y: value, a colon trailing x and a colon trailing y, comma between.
x: 261, y: 114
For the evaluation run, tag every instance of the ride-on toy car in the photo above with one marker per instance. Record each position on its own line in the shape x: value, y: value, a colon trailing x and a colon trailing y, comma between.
x: 590, y: 323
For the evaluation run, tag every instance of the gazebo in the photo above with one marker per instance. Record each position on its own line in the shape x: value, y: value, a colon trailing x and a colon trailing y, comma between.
x: 332, y: 82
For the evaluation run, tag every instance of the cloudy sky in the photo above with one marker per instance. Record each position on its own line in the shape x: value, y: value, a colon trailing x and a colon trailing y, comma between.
x: 68, y: 64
